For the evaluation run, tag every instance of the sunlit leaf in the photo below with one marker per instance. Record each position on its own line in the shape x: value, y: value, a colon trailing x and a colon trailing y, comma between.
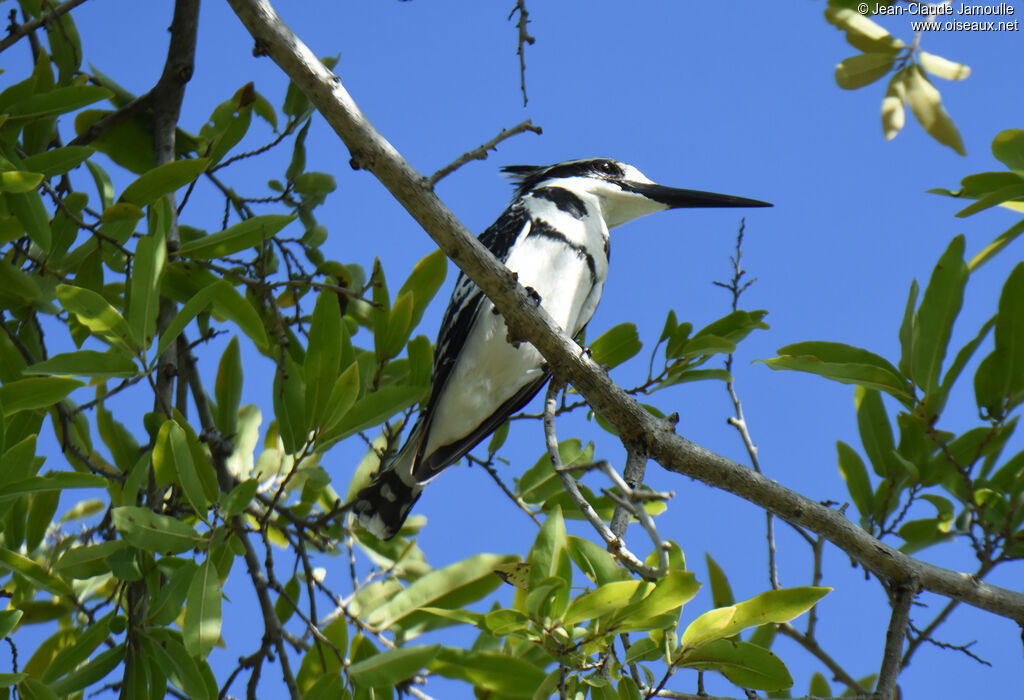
x: 942, y: 67
x: 926, y: 104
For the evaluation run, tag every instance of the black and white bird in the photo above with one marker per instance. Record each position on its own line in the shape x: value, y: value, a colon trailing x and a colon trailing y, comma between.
x: 554, y: 235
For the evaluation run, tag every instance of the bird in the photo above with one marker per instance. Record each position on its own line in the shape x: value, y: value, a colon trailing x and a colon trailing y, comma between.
x: 554, y: 237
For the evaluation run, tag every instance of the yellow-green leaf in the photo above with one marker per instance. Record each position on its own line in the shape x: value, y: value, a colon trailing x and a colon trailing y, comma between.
x: 926, y: 104
x: 942, y: 67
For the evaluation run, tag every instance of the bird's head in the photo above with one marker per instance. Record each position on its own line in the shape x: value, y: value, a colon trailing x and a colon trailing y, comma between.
x: 623, y: 192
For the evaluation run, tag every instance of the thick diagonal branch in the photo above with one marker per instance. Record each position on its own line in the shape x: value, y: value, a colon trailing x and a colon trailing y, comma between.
x: 371, y: 151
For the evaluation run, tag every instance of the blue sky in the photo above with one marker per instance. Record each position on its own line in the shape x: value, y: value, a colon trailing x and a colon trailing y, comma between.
x: 733, y: 97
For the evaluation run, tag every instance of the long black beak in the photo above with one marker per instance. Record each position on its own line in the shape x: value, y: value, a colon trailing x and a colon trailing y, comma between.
x: 676, y: 198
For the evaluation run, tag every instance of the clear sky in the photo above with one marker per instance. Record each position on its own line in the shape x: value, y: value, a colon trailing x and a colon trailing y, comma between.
x: 734, y: 97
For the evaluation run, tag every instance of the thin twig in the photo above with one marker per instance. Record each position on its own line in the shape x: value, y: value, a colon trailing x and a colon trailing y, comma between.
x: 505, y: 489
x: 811, y: 645
x: 736, y: 286
x: 615, y: 544
x: 480, y: 152
x: 524, y: 39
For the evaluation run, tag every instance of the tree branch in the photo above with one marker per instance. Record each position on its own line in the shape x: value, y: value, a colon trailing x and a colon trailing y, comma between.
x: 902, y: 596
x: 28, y: 27
x: 526, y: 320
x: 633, y: 475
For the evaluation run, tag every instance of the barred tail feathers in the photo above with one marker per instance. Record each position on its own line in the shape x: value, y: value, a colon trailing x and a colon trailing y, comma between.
x: 383, y: 506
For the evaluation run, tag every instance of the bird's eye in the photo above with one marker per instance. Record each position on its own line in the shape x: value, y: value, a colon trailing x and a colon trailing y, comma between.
x: 607, y: 167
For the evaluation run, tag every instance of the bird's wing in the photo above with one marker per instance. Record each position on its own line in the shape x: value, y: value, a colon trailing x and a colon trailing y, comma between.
x: 456, y: 326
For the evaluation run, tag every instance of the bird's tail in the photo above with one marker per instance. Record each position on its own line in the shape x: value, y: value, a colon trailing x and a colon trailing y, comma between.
x: 384, y: 505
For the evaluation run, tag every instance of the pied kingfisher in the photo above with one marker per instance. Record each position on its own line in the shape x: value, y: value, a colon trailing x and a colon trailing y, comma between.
x: 554, y: 235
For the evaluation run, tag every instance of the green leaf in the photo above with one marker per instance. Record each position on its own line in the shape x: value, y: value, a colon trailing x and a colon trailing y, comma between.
x: 863, y: 69
x: 34, y: 573
x: 507, y: 676
x: 86, y: 363
x: 35, y: 392
x: 374, y: 408
x: 327, y: 687
x: 595, y: 562
x: 8, y: 620
x: 88, y: 561
x: 163, y: 179
x: 616, y: 345
x: 876, y: 433
x: 51, y: 482
x: 160, y: 534
x: 926, y: 104
x: 605, y: 599
x: 747, y: 665
x: 228, y: 388
x: 387, y: 669
x: 707, y: 345
x: 147, y: 272
x: 1009, y: 335
x: 169, y: 600
x: 58, y: 101
x: 721, y: 591
x: 171, y: 455
x: 164, y: 648
x: 227, y: 302
x: 398, y: 326
x: 325, y: 655
x: 201, y: 628
x: 28, y: 208
x: 671, y: 592
x: 96, y: 314
x: 852, y: 469
x: 91, y: 673
x: 775, y: 606
x: 993, y: 248
x: 57, y: 161
x: 843, y: 363
x: 34, y: 689
x: 1007, y: 146
x: 939, y: 309
x: 962, y: 358
x: 19, y: 181
x: 1002, y: 195
x: 435, y: 588
x: 246, y: 234
x: 423, y: 282
x: 549, y: 555
x: 344, y: 393
x: 290, y: 406
x: 240, y: 497
x: 323, y: 355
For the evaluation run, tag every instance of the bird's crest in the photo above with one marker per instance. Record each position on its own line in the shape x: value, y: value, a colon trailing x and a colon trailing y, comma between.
x: 526, y: 177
